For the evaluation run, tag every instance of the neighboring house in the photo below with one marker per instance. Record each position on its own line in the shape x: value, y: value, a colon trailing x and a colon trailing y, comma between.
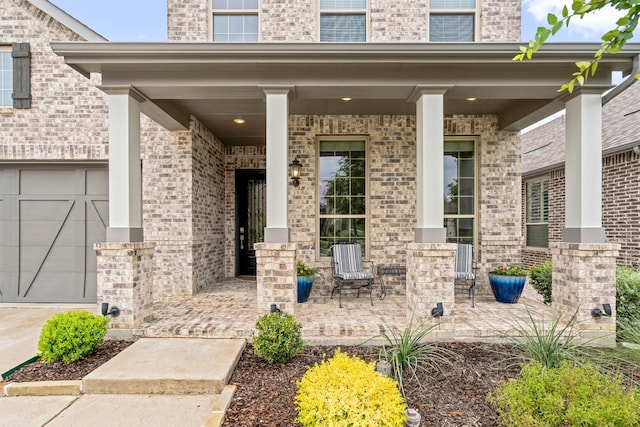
x: 543, y: 189
x: 404, y: 117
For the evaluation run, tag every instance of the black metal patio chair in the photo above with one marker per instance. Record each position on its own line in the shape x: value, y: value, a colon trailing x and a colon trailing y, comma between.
x: 465, y: 269
x: 346, y: 262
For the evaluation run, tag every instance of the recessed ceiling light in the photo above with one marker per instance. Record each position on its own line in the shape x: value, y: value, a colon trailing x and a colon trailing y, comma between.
x: 346, y: 99
x: 238, y: 121
x: 471, y: 99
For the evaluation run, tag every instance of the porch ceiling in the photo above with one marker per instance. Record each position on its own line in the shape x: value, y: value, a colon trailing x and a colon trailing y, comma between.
x: 220, y: 82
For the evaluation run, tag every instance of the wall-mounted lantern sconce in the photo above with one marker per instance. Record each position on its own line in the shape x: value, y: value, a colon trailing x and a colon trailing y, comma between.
x: 438, y: 310
x: 114, y: 312
x: 606, y: 311
x: 294, y: 171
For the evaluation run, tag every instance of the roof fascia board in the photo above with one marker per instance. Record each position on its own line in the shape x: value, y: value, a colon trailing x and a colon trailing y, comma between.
x: 349, y: 52
x: 67, y: 20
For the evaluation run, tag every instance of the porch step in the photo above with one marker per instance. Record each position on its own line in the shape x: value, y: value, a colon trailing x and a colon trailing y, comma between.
x: 168, y: 366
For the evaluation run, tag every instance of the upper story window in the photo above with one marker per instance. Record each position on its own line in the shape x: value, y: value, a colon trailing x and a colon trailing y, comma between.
x: 537, y: 215
x: 342, y: 193
x: 452, y: 20
x: 235, y: 20
x: 6, y: 76
x: 343, y: 20
x: 459, y: 190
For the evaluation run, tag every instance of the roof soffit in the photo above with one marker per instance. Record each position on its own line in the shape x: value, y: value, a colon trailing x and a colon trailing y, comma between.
x: 202, y: 77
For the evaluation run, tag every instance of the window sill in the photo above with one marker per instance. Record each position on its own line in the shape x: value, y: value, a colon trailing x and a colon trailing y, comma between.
x: 536, y: 248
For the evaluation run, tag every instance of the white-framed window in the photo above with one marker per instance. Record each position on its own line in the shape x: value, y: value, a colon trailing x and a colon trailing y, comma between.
x: 343, y: 20
x: 6, y: 76
x: 235, y: 20
x: 537, y: 212
x: 460, y: 190
x: 342, y: 193
x: 452, y: 20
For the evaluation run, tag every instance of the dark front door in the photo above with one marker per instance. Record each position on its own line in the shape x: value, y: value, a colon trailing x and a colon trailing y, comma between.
x: 252, y: 217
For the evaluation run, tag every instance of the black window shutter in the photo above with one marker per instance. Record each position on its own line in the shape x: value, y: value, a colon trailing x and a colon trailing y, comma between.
x: 21, y: 55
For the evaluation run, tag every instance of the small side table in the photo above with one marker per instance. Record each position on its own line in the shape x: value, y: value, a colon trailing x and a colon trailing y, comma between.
x: 389, y: 270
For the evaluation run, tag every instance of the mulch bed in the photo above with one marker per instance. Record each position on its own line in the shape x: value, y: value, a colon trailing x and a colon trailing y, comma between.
x: 455, y: 396
x: 452, y: 396
x: 58, y: 371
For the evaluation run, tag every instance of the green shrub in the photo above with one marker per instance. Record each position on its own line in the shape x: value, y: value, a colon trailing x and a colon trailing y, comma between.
x: 70, y: 336
x: 347, y: 391
x: 540, y: 279
x: 628, y: 329
x: 277, y: 337
x: 566, y: 396
x: 627, y: 293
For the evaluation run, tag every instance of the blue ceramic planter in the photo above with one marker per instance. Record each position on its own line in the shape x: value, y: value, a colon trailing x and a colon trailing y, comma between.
x: 304, y: 287
x: 507, y: 289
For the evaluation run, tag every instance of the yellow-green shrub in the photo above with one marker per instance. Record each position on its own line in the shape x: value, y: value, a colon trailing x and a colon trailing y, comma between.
x: 71, y: 336
x: 347, y: 391
x: 566, y: 396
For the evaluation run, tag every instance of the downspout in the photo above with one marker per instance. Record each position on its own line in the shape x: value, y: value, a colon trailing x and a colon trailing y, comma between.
x: 631, y: 79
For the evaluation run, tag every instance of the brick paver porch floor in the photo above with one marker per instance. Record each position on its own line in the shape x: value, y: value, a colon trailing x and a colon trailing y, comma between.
x: 228, y: 310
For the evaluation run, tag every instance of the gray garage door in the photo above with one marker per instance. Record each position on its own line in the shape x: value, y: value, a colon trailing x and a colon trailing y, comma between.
x: 50, y: 216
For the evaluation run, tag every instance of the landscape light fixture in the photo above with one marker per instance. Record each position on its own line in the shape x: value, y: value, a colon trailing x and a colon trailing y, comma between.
x: 114, y: 312
x: 438, y: 310
x: 606, y: 311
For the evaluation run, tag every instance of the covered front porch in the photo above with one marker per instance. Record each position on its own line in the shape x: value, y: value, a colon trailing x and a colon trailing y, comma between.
x: 406, y: 102
x: 229, y: 311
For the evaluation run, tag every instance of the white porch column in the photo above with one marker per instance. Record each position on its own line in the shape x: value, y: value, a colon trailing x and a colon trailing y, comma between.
x: 583, y: 168
x: 430, y: 175
x: 277, y: 229
x: 125, y: 173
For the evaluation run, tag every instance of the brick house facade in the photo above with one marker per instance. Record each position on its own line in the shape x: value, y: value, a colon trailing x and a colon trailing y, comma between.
x: 411, y: 96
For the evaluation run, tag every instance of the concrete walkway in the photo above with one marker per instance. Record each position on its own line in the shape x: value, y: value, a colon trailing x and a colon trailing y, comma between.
x: 174, y: 381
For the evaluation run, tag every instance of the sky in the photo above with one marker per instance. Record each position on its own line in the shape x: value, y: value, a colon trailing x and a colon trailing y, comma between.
x: 146, y: 20
x: 121, y: 20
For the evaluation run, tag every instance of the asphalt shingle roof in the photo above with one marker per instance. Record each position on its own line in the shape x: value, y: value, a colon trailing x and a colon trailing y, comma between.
x: 544, y: 145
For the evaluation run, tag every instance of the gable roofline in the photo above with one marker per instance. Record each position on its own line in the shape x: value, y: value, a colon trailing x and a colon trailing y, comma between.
x: 67, y: 20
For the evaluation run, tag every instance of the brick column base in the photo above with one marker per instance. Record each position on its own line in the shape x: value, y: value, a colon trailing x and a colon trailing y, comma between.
x: 584, y: 278
x: 430, y: 275
x: 125, y: 280
x: 276, y: 276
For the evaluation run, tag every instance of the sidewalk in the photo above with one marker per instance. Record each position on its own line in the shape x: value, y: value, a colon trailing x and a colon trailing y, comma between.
x: 159, y: 381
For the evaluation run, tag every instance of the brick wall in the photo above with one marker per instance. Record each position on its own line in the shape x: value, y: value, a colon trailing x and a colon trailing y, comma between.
x: 184, y: 209
x: 68, y: 116
x: 288, y: 20
x: 392, y: 186
x: 188, y: 20
x: 297, y: 20
x: 620, y: 210
x: 400, y: 20
x: 208, y: 207
x: 500, y: 20
x: 621, y: 204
